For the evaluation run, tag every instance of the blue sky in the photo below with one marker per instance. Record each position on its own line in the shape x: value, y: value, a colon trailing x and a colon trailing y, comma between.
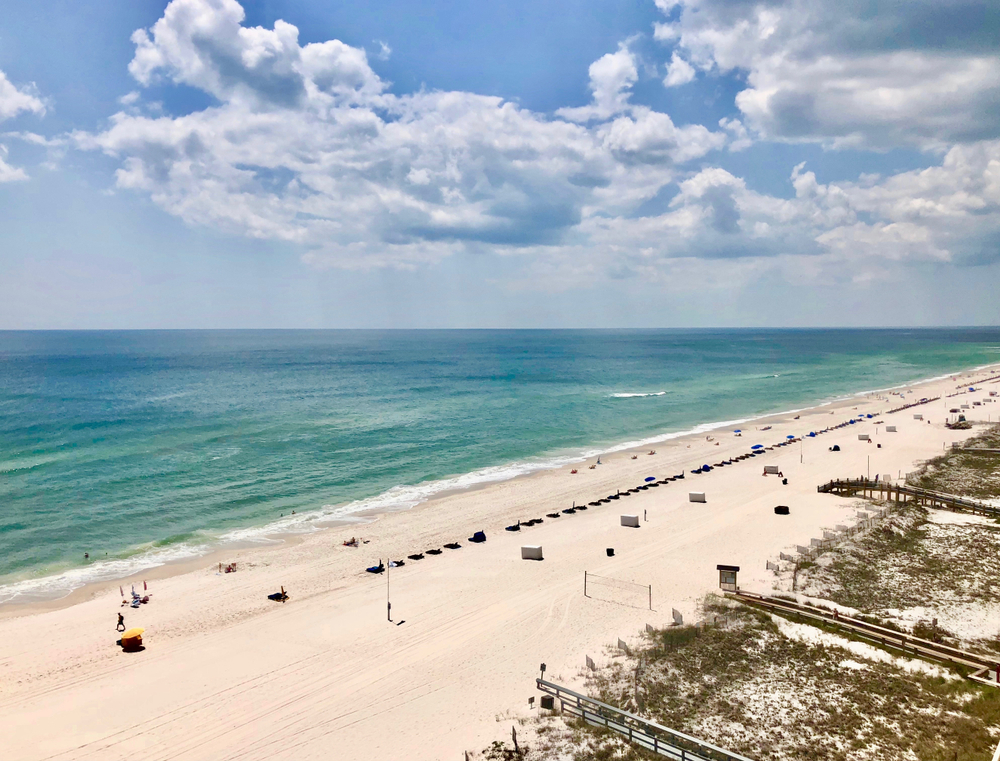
x: 707, y: 162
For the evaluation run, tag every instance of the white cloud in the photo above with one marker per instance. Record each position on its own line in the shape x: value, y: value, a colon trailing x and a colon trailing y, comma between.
x: 9, y: 173
x: 129, y: 98
x: 921, y: 73
x: 384, y: 51
x: 305, y: 144
x: 679, y: 72
x: 740, y: 139
x: 14, y: 101
x: 611, y: 79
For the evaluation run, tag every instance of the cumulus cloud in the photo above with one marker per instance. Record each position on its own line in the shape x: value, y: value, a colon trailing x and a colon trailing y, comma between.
x: 14, y: 101
x: 679, y: 72
x: 306, y: 145
x: 611, y: 79
x: 921, y: 73
x: 9, y: 173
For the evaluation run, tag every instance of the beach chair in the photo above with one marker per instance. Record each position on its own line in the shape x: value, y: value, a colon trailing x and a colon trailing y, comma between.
x: 514, y: 527
x: 453, y: 545
x: 478, y: 538
x: 418, y: 556
x: 433, y: 552
x: 553, y: 515
x: 375, y: 568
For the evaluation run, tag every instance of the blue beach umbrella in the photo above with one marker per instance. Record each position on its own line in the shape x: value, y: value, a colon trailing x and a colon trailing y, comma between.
x: 789, y: 436
x: 869, y: 416
x: 853, y: 422
x: 650, y: 478
x: 812, y: 434
x: 757, y: 446
x: 738, y: 430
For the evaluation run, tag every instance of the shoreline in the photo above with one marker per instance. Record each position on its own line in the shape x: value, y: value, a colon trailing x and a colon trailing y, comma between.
x: 228, y: 673
x: 319, y: 524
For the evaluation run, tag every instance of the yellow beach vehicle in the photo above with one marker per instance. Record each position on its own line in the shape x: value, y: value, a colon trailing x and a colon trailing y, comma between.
x: 132, y: 639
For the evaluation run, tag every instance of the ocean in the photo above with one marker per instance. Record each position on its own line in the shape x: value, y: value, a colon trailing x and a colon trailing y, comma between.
x: 142, y: 447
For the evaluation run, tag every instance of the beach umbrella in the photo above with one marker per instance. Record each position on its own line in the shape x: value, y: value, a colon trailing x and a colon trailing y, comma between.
x: 789, y: 436
x: 650, y: 478
x: 738, y: 430
x: 853, y: 422
x: 869, y: 416
x: 757, y: 446
x: 812, y: 434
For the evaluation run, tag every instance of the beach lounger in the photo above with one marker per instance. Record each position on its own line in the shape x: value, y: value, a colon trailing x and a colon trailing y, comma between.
x: 592, y: 504
x: 513, y: 527
x: 479, y: 537
x: 553, y: 515
x: 433, y: 552
x: 569, y: 510
x: 581, y: 507
x: 453, y: 545
x: 376, y: 568
x: 418, y: 556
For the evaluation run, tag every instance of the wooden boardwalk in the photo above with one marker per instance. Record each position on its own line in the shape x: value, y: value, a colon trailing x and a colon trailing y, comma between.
x: 984, y: 669
x: 877, y: 490
x: 639, y: 731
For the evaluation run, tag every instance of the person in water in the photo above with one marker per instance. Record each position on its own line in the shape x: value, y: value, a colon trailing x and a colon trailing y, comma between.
x: 121, y: 623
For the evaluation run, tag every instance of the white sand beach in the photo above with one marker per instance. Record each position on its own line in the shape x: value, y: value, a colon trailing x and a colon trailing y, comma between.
x: 228, y: 674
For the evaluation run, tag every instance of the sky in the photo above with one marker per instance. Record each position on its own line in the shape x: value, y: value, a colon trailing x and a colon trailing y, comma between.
x: 211, y: 164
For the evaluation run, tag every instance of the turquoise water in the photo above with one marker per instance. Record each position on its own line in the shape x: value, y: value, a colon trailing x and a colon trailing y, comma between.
x: 141, y: 447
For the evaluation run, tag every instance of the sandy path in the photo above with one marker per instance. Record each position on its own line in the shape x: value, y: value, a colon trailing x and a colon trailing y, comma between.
x: 230, y: 675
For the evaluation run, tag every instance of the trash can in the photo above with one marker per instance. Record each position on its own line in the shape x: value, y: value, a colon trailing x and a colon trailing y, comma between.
x: 611, y: 552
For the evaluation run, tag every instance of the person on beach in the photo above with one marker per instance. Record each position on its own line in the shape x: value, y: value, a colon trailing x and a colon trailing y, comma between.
x: 121, y: 623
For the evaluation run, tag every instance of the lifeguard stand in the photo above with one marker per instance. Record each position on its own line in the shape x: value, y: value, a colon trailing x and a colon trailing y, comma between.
x: 727, y: 577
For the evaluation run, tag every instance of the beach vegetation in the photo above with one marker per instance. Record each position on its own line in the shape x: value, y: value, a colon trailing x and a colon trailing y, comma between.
x: 758, y: 685
x: 973, y: 470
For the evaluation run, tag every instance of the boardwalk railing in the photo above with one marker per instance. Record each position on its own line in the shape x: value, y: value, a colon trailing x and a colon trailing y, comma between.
x: 642, y: 732
x: 985, y: 670
x: 895, y: 493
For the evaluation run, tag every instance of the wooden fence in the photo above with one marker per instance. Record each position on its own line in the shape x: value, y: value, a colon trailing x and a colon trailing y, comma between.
x: 895, y: 493
x: 985, y: 671
x: 641, y: 732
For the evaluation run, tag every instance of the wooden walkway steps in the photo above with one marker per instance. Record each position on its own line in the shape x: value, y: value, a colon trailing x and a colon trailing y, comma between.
x: 642, y: 732
x: 895, y: 493
x: 985, y: 670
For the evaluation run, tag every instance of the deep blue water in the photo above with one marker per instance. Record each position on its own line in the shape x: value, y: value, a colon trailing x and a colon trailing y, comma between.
x: 148, y: 445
